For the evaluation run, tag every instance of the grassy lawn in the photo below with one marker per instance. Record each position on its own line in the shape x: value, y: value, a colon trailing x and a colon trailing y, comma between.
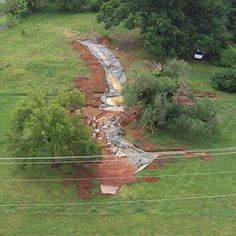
x: 182, y: 217
x: 36, y: 54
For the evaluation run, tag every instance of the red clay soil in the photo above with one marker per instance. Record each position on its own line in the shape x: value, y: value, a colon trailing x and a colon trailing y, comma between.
x: 116, y: 172
x: 131, y: 116
x: 143, y: 143
x: 105, y: 41
x: 154, y: 166
x: 183, y: 100
x: 85, y: 184
x: 95, y: 86
x: 121, y: 170
x: 149, y: 179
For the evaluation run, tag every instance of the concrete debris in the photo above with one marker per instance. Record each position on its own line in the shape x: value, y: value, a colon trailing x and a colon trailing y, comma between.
x: 105, y: 189
x: 112, y: 101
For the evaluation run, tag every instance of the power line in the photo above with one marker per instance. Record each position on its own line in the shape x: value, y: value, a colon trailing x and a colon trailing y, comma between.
x: 149, y: 201
x: 99, y: 161
x: 122, y: 177
x: 94, y: 156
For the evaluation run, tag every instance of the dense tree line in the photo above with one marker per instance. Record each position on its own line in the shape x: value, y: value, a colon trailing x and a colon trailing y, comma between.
x: 171, y: 28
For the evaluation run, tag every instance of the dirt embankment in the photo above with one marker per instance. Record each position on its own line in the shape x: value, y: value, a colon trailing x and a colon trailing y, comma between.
x: 93, y: 87
x: 112, y: 171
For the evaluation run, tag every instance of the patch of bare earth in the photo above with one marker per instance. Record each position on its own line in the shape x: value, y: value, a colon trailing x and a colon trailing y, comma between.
x: 149, y: 179
x: 112, y: 171
x: 143, y: 143
x: 203, y: 94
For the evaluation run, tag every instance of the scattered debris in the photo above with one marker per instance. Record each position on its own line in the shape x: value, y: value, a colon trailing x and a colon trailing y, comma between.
x: 112, y: 129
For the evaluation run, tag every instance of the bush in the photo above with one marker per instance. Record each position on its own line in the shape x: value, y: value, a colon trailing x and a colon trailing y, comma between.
x: 72, y: 99
x: 199, y: 119
x: 14, y: 8
x: 157, y: 91
x: 226, y: 57
x: 225, y: 81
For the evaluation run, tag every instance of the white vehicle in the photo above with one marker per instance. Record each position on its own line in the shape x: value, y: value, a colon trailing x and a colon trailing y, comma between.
x: 199, y: 55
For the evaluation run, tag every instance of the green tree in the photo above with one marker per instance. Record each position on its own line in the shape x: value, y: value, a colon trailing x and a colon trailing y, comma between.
x: 166, y: 99
x: 14, y: 7
x: 171, y: 27
x: 232, y: 17
x: 71, y: 100
x: 42, y: 127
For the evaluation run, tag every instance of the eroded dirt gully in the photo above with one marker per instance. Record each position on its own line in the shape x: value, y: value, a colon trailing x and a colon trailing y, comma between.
x: 113, y: 172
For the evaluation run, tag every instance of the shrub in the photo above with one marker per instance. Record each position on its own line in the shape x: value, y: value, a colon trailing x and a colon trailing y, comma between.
x: 72, y: 99
x: 157, y: 91
x: 226, y: 57
x: 225, y: 81
x: 14, y: 8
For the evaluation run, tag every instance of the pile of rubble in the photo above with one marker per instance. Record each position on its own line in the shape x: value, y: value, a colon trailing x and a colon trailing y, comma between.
x: 112, y: 100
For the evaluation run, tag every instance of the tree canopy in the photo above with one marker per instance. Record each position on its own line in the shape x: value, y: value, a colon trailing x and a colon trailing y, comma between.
x: 13, y: 7
x: 176, y: 27
x: 42, y: 126
x: 167, y: 101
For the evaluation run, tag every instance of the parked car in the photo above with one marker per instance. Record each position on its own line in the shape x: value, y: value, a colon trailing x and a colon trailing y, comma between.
x: 199, y: 55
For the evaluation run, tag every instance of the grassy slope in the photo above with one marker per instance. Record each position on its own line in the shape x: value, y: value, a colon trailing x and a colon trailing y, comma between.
x: 43, y: 58
x: 184, y: 217
x: 40, y: 58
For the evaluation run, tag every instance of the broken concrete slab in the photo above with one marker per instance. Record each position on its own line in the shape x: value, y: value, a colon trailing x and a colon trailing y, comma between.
x: 106, y: 189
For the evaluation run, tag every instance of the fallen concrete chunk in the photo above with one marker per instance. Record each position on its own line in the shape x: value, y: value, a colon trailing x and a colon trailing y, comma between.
x: 106, y: 189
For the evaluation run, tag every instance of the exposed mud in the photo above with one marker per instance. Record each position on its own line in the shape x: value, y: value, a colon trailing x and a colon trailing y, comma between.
x: 143, y: 143
x: 85, y: 185
x: 149, y: 179
x: 106, y: 42
x: 111, y: 171
x: 95, y: 86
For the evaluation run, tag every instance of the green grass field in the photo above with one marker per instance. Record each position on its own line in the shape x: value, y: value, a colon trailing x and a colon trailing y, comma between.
x: 41, y: 57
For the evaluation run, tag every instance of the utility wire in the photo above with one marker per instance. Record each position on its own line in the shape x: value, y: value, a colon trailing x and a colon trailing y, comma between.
x: 154, y: 153
x: 148, y: 201
x: 122, y: 177
x: 99, y: 161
